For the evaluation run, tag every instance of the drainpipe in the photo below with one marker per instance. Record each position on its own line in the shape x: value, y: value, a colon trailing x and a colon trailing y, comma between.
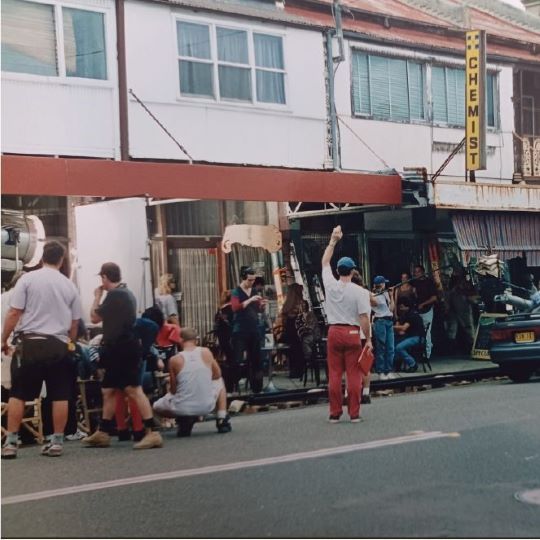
x: 331, y: 101
x: 122, y: 80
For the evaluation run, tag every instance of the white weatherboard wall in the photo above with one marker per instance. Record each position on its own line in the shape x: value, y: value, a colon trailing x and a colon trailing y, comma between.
x: 64, y: 116
x: 411, y: 145
x: 113, y: 231
x: 292, y: 135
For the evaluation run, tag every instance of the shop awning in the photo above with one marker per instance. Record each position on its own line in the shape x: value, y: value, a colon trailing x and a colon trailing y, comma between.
x: 28, y: 175
x: 507, y: 234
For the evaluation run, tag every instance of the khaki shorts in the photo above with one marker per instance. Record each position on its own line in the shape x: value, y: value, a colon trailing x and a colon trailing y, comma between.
x: 167, y: 405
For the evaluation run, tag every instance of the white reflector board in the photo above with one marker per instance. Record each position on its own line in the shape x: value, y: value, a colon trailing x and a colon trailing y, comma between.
x: 113, y: 231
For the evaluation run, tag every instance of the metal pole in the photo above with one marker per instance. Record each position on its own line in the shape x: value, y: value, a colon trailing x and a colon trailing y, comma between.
x: 331, y: 101
x: 122, y: 80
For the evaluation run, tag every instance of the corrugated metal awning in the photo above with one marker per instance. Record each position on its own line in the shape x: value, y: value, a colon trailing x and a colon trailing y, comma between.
x: 507, y: 234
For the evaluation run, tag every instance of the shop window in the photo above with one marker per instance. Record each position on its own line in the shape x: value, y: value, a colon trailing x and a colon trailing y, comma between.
x: 32, y: 35
x: 193, y: 218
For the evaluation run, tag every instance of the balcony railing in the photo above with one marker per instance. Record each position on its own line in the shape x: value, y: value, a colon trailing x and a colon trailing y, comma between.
x: 530, y: 156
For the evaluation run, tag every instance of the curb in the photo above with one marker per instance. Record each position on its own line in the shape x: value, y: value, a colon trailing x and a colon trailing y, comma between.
x: 297, y: 397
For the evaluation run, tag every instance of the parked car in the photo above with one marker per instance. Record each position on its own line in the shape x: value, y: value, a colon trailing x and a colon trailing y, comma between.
x: 515, y: 339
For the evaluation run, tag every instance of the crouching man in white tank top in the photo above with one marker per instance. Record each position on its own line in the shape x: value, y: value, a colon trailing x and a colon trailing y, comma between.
x: 196, y: 387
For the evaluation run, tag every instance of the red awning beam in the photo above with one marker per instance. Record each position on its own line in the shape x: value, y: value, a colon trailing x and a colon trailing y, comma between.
x: 25, y: 175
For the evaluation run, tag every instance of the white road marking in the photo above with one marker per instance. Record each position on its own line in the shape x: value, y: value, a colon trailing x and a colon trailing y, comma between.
x: 171, y: 475
x: 532, y: 496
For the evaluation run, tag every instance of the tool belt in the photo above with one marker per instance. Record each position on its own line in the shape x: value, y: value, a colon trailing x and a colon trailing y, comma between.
x: 33, y: 348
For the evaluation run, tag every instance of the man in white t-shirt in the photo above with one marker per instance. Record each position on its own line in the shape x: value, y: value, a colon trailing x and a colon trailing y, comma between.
x: 45, y: 309
x: 347, y: 309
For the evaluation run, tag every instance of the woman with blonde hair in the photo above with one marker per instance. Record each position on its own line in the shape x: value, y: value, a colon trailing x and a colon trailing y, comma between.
x: 165, y: 300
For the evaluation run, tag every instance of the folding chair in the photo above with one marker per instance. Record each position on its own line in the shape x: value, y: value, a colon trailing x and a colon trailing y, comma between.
x: 89, y: 404
x: 419, y: 351
x: 32, y: 420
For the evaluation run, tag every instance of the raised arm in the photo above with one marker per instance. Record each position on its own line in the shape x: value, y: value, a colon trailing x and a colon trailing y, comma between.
x: 336, y: 236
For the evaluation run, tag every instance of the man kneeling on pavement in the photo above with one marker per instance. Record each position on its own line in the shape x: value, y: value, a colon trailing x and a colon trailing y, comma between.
x: 196, y: 387
x: 409, y: 330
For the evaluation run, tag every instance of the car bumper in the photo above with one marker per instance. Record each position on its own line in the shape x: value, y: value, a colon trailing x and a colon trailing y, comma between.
x: 514, y: 353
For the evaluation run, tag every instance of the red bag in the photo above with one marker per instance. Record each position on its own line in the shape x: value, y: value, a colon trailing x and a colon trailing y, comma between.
x: 366, y: 360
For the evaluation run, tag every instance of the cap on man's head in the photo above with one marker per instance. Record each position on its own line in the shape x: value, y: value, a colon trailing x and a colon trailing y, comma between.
x: 378, y: 280
x: 346, y: 262
x: 111, y: 271
x: 189, y: 334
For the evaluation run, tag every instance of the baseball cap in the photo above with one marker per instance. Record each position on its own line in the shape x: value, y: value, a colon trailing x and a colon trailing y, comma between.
x: 111, y: 271
x: 377, y: 280
x: 347, y: 262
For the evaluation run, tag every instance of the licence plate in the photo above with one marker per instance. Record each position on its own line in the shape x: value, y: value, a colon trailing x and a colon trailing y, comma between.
x: 524, y: 337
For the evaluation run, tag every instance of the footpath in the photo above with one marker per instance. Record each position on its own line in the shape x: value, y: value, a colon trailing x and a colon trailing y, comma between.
x: 292, y: 392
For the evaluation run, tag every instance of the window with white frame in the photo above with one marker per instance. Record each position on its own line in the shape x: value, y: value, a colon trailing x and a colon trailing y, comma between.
x: 36, y: 36
x: 393, y: 89
x: 230, y: 64
x: 387, y: 88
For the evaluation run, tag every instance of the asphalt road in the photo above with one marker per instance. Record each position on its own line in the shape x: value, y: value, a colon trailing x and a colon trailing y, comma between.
x: 440, y: 463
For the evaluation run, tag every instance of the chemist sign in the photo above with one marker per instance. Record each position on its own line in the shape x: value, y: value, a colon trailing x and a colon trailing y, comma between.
x: 475, y: 99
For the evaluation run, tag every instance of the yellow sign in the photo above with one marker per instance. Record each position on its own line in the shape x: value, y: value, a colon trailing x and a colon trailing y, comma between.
x: 480, y: 348
x: 475, y: 99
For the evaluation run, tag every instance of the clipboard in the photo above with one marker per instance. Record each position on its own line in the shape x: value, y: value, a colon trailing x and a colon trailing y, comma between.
x: 366, y: 360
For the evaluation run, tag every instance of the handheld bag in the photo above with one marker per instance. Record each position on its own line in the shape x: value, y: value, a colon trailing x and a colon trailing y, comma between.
x: 366, y: 360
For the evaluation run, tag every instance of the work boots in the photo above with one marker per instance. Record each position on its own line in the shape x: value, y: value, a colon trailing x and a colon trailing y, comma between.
x: 98, y: 439
x: 152, y: 439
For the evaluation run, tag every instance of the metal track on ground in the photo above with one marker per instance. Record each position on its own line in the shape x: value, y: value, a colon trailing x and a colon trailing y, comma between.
x: 435, y: 380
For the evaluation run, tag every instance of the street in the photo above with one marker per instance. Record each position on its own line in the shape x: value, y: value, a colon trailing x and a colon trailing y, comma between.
x: 441, y: 463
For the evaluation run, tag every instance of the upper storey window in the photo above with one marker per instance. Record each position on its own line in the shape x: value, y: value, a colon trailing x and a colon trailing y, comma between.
x: 53, y: 40
x: 230, y: 64
x: 397, y: 89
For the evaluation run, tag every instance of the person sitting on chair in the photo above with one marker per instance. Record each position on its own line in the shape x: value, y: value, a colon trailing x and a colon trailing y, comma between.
x: 168, y: 338
x: 409, y: 330
x: 196, y: 387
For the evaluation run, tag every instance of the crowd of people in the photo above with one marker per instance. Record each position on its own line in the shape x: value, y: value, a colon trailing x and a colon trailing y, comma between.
x: 42, y: 335
x: 41, y: 332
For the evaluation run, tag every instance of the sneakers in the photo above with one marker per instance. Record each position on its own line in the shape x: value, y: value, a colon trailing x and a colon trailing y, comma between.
x: 366, y: 399
x: 391, y: 375
x: 411, y: 369
x: 52, y: 449
x: 333, y: 419
x: 152, y: 439
x: 77, y: 436
x: 9, y: 451
x: 223, y: 425
x: 355, y: 419
x: 98, y: 439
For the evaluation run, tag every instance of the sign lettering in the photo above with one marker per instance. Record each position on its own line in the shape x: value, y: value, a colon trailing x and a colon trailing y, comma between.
x: 475, y: 100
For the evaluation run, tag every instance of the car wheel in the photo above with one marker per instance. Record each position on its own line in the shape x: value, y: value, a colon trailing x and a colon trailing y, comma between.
x: 519, y: 375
